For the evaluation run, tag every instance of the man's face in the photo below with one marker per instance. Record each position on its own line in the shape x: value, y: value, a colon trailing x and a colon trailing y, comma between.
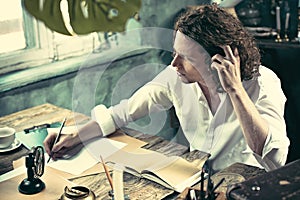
x: 191, y: 60
x: 185, y: 70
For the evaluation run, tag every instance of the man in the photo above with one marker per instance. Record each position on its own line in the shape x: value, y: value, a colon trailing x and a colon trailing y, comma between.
x: 227, y: 103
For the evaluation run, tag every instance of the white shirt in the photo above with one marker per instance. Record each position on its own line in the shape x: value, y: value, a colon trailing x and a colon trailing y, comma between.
x: 219, y: 134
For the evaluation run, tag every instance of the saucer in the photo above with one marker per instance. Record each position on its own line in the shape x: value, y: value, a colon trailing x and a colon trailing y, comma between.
x: 13, y: 146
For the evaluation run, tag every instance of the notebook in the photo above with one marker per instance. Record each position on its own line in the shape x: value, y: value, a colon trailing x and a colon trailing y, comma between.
x: 173, y: 172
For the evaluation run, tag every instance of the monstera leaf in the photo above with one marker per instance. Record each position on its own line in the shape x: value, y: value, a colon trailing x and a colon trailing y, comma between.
x: 83, y: 16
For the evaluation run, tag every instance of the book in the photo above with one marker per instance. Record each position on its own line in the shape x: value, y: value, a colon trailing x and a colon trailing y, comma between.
x: 172, y: 172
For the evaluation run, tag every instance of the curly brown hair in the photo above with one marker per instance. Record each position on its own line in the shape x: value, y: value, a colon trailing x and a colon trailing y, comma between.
x: 213, y: 27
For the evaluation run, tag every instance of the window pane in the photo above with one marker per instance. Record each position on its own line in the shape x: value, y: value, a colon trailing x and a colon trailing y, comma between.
x: 11, y: 29
x: 70, y: 46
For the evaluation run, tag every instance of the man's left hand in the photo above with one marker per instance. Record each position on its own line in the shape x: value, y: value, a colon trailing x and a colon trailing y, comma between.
x: 228, y: 69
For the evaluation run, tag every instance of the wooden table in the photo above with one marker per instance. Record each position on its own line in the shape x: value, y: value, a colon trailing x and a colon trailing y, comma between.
x: 46, y: 113
x: 136, y: 187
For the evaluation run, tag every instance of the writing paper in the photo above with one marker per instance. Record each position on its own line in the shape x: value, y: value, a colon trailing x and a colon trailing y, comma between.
x: 88, y: 156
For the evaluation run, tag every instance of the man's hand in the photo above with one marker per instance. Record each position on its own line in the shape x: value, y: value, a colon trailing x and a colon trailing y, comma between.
x: 64, y: 147
x: 255, y: 128
x: 228, y: 69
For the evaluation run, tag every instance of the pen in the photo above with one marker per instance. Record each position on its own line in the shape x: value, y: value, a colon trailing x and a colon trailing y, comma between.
x: 57, y: 137
x: 107, y: 174
x: 202, y: 193
x: 209, y: 185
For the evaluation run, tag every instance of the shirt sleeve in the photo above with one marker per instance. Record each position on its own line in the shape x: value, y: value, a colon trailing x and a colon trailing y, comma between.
x: 270, y: 104
x: 152, y: 97
x: 103, y: 117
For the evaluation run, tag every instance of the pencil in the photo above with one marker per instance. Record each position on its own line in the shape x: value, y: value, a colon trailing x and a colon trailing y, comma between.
x: 57, y: 137
x: 107, y: 174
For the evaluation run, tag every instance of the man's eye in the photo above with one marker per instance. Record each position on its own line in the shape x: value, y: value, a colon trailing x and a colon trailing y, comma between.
x: 174, y: 54
x: 179, y: 56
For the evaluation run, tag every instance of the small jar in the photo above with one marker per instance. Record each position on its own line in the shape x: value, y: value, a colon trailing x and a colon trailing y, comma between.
x: 78, y: 193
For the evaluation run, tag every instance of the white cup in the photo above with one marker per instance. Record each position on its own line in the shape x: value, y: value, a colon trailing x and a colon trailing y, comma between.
x: 7, y: 137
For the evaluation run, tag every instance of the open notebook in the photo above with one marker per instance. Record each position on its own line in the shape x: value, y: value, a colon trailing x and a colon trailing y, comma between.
x: 172, y: 172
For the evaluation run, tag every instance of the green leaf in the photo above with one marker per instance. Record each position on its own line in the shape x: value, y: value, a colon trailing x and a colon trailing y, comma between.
x: 50, y: 14
x: 85, y: 16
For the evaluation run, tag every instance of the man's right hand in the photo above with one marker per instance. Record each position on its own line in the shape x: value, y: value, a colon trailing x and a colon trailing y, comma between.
x: 64, y: 147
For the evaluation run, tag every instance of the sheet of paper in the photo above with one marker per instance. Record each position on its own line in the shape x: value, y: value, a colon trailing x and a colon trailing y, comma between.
x: 55, y: 185
x: 139, y: 159
x: 88, y: 156
x: 13, y: 173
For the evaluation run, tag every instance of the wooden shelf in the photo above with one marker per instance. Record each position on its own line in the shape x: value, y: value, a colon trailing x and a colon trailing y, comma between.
x: 271, y: 44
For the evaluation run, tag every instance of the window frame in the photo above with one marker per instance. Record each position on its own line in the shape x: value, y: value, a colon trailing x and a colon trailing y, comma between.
x: 38, y: 47
x: 41, y: 47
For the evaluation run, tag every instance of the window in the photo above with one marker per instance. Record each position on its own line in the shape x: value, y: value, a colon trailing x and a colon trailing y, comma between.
x: 11, y: 27
x: 26, y: 42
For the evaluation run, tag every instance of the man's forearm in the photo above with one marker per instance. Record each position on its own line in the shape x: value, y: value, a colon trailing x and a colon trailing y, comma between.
x: 254, y: 127
x: 89, y: 131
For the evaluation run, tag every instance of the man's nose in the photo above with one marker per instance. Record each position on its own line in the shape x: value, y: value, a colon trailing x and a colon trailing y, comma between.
x: 176, y: 61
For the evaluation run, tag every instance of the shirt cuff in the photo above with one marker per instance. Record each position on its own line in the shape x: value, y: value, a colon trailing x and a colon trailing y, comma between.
x: 103, y: 117
x: 273, y: 142
x: 274, y: 154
